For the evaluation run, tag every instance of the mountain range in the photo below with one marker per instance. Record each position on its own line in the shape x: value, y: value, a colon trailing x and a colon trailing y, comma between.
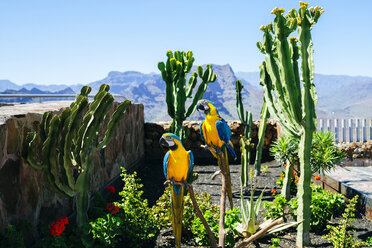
x: 339, y: 96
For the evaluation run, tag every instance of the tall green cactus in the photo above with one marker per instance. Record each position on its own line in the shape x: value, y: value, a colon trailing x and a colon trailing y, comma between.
x: 67, y: 142
x: 261, y: 137
x: 245, y: 141
x: 287, y: 102
x: 174, y: 73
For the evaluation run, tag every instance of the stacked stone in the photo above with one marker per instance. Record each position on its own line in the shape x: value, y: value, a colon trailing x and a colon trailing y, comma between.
x: 356, y: 150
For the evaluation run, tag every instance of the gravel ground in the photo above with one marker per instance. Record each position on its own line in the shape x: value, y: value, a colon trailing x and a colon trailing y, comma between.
x: 153, y: 179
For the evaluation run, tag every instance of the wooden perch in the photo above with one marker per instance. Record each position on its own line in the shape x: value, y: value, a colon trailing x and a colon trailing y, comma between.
x: 197, y: 210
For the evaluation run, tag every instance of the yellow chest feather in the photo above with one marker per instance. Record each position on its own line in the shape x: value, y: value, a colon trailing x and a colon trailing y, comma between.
x: 178, y: 165
x: 210, y: 131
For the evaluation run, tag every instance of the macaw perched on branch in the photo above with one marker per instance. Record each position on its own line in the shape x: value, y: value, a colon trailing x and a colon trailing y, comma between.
x: 178, y: 164
x: 216, y: 133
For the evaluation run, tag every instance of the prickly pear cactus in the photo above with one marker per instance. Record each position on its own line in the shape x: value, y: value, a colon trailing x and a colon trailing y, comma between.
x: 68, y: 141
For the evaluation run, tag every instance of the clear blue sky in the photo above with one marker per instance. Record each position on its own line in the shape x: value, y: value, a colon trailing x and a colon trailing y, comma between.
x: 80, y: 41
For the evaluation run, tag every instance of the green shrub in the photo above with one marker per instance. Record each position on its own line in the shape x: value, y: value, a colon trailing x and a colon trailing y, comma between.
x: 192, y: 227
x: 279, y: 207
x: 324, y: 206
x: 324, y: 152
x: 139, y: 227
x: 106, y: 229
x: 341, y: 236
x: 11, y: 237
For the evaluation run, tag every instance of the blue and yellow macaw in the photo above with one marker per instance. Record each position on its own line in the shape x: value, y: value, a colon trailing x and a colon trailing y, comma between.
x: 216, y: 133
x: 177, y: 165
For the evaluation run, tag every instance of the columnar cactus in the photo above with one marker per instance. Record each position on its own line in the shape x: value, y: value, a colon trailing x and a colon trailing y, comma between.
x: 67, y: 142
x: 287, y: 102
x: 245, y: 141
x: 174, y: 73
x: 261, y: 138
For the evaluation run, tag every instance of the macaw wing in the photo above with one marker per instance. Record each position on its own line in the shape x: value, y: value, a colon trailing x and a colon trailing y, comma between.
x: 223, y: 131
x: 191, y: 163
x: 201, y: 131
x: 165, y: 165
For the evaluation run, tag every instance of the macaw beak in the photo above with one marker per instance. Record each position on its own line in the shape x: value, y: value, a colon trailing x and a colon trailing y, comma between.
x: 163, y: 143
x: 199, y: 106
x: 167, y: 145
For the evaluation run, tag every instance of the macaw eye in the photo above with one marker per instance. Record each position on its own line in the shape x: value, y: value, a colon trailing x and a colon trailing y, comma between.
x: 168, y: 138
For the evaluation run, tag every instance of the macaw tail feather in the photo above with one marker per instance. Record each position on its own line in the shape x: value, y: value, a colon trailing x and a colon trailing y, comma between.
x: 228, y: 179
x: 177, y: 212
x: 231, y: 149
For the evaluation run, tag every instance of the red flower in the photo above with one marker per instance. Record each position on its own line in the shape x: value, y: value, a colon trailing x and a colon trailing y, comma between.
x: 297, y: 179
x: 112, y: 208
x: 285, y: 166
x: 57, y: 227
x: 317, y: 177
x: 281, y: 176
x: 294, y: 174
x: 110, y: 189
x: 273, y: 191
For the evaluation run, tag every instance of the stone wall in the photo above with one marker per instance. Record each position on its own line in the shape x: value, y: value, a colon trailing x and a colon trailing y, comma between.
x: 23, y: 193
x: 153, y: 132
x: 357, y: 150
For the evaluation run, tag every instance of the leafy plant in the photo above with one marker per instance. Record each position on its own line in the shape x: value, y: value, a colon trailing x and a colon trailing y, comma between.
x: 324, y: 153
x: 341, y: 236
x: 11, y: 237
x: 279, y: 207
x: 192, y: 227
x: 106, y: 229
x: 324, y: 206
x: 139, y: 227
x: 232, y: 220
x: 274, y: 242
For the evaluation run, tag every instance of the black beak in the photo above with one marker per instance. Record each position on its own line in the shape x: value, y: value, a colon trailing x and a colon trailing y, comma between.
x: 199, y: 106
x: 163, y: 143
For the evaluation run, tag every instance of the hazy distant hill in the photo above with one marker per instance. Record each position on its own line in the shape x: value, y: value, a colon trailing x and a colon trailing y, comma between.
x: 35, y: 90
x: 339, y: 96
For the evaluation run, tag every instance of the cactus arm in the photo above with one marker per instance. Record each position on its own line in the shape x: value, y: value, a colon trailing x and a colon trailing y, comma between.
x: 272, y: 68
x: 44, y: 125
x: 207, y: 77
x: 27, y: 152
x: 73, y: 126
x: 192, y: 83
x: 286, y: 190
x: 116, y: 117
x: 295, y: 56
x: 82, y: 190
x: 55, y: 126
x: 261, y: 138
x: 239, y: 103
x: 287, y: 75
x: 272, y: 103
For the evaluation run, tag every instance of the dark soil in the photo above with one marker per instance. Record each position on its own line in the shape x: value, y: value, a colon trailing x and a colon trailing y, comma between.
x: 153, y: 178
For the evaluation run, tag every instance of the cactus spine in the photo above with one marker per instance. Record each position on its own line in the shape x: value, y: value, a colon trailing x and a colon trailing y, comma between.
x: 261, y: 137
x: 174, y: 73
x: 245, y: 140
x: 293, y: 107
x: 67, y: 142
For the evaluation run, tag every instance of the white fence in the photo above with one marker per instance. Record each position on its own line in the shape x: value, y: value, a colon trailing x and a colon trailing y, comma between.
x: 347, y: 130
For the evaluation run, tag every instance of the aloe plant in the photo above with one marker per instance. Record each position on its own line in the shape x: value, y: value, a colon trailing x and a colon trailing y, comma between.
x: 174, y: 72
x: 67, y: 142
x: 287, y: 102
